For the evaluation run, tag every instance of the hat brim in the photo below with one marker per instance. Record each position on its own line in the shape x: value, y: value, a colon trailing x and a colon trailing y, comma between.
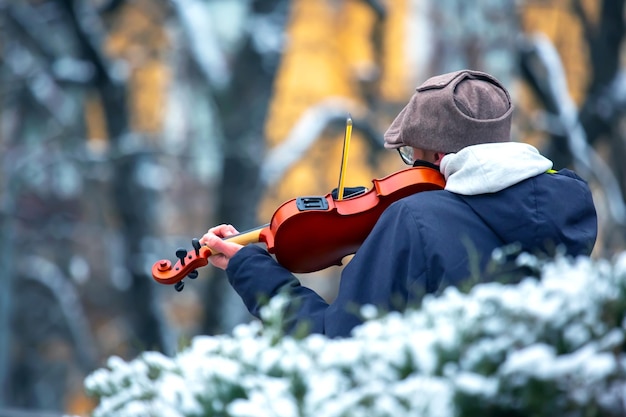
x: 393, y: 134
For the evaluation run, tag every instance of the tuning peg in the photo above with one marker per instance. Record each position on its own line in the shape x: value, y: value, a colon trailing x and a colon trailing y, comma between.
x: 193, y: 274
x: 181, y: 254
x: 179, y: 286
x: 196, y: 246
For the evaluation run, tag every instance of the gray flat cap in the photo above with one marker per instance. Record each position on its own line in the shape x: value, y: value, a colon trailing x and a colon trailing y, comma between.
x: 451, y: 111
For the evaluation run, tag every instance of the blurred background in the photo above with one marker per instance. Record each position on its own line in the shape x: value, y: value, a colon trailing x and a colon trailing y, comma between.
x: 129, y: 127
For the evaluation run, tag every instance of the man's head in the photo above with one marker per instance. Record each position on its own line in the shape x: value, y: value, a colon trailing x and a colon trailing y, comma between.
x: 451, y: 111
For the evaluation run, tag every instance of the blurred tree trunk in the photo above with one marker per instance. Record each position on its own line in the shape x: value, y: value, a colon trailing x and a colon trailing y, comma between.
x: 7, y: 255
x: 242, y: 107
x: 132, y: 201
x: 482, y: 36
x: 605, y: 106
x: 43, y: 134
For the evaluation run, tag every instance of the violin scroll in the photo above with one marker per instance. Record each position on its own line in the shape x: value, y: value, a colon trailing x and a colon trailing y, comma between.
x: 188, y: 262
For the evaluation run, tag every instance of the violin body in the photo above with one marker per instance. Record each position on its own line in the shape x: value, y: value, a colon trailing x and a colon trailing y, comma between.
x: 308, y: 234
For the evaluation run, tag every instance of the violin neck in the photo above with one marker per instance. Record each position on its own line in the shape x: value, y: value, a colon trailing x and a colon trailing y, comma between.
x: 247, y: 237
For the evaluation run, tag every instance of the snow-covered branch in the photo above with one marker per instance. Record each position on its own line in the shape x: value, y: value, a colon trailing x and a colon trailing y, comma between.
x: 586, y: 159
x: 51, y: 277
x: 211, y: 38
x: 544, y: 347
x: 302, y: 136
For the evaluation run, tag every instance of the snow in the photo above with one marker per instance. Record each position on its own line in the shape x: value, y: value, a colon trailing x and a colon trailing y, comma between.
x: 494, y: 344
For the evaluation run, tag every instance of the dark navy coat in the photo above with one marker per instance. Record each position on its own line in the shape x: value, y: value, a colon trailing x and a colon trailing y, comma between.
x: 426, y: 242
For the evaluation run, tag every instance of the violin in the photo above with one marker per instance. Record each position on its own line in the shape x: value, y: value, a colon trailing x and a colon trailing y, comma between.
x: 308, y: 234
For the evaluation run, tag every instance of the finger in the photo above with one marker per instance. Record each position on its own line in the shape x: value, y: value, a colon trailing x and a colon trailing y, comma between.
x: 213, y: 231
x: 223, y: 230
x: 220, y: 246
x: 205, y: 238
x: 229, y: 230
x: 219, y: 261
x: 222, y: 250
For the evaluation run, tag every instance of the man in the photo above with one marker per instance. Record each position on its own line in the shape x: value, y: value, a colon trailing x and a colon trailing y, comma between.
x: 497, y: 193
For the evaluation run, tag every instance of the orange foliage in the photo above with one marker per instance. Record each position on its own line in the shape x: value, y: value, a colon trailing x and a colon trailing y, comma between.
x: 138, y: 39
x: 329, y: 50
x: 147, y: 98
x: 395, y: 74
x: 95, y: 122
x: 557, y: 21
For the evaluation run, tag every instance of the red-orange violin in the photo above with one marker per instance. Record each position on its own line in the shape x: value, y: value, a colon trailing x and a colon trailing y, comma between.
x: 308, y: 234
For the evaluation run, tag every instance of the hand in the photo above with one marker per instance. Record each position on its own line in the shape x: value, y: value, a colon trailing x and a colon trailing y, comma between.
x: 222, y: 250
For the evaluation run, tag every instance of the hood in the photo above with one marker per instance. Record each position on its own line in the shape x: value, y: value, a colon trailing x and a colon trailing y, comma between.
x: 507, y: 186
x: 491, y: 167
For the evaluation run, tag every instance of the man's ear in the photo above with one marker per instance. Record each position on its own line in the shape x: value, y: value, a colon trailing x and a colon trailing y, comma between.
x: 438, y: 157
